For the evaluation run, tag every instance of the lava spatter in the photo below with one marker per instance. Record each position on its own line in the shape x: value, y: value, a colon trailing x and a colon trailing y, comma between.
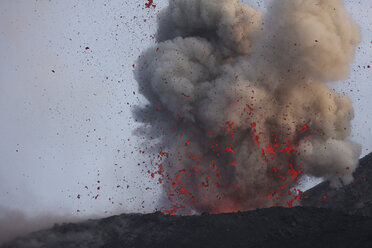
x: 256, y: 121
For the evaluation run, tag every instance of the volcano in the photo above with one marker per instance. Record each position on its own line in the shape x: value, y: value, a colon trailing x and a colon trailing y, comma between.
x: 342, y: 220
x: 239, y: 107
x: 273, y: 227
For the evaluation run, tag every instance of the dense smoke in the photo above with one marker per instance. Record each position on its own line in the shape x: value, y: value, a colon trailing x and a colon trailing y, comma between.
x: 239, y: 106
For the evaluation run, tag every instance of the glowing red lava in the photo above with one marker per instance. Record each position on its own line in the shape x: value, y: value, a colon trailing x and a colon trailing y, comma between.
x: 178, y: 192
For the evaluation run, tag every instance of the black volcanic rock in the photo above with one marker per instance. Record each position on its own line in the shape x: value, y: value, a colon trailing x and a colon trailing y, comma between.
x: 274, y: 227
x: 344, y: 219
x: 355, y: 198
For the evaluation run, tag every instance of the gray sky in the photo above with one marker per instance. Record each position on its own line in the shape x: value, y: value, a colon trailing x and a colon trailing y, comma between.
x: 66, y: 91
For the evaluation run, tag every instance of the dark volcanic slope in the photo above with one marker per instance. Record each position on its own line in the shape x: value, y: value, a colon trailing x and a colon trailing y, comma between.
x: 275, y: 227
x: 355, y: 198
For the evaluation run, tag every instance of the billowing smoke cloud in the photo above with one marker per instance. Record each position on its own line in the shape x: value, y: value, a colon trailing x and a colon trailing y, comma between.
x: 239, y: 107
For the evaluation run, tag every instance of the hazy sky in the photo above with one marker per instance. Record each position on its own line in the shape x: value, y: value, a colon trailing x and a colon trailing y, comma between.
x: 66, y: 91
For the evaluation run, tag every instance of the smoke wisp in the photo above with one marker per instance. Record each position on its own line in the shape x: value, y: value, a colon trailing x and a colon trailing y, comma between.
x: 14, y: 223
x: 239, y: 106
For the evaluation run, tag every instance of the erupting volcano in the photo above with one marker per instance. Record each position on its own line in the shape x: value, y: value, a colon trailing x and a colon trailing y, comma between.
x: 240, y: 105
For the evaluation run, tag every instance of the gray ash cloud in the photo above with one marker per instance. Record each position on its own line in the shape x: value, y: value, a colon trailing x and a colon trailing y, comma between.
x: 240, y: 100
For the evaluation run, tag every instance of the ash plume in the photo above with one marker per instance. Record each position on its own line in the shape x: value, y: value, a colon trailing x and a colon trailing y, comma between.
x: 239, y: 104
